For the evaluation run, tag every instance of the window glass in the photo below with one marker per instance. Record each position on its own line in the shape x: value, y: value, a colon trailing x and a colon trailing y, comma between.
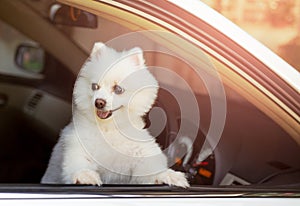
x: 212, y: 131
x: 247, y: 128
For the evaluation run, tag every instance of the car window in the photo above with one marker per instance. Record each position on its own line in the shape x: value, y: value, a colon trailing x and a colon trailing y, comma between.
x: 217, y: 126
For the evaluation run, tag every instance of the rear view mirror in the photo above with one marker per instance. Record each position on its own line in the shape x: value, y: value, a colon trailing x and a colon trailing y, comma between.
x: 30, y: 58
x: 66, y: 15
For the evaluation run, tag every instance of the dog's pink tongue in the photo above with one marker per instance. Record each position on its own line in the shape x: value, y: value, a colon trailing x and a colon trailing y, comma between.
x: 103, y: 114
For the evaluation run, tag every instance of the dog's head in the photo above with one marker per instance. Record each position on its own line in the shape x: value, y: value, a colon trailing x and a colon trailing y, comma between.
x: 114, y: 83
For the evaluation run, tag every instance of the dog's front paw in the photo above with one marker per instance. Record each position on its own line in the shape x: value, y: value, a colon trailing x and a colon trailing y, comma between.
x: 172, y: 177
x: 87, y: 177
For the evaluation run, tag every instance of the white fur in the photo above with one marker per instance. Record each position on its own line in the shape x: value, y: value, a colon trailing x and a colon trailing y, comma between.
x: 114, y: 150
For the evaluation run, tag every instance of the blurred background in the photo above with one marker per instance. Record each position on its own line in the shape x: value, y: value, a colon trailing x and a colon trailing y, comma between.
x: 276, y: 23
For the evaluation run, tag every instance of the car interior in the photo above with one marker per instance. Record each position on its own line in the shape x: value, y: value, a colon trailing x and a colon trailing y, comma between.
x: 36, y: 103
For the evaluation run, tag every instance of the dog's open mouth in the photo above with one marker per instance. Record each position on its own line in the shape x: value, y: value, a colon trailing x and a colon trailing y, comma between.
x: 104, y: 114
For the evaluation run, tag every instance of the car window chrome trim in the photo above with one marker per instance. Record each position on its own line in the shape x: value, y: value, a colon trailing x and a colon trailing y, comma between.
x: 36, y: 191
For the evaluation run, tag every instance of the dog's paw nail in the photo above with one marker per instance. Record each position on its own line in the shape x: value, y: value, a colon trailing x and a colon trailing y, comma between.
x: 87, y: 177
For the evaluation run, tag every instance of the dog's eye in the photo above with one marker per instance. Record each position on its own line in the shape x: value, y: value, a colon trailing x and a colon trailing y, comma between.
x: 118, y: 90
x: 95, y: 86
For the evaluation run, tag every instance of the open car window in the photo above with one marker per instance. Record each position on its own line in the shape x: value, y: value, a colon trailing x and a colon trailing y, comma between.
x: 222, y: 116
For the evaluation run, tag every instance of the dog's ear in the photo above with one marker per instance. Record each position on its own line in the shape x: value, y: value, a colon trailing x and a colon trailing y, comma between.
x: 98, y: 48
x: 136, y: 55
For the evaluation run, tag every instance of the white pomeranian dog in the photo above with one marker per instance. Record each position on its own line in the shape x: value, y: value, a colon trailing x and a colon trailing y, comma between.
x: 106, y: 142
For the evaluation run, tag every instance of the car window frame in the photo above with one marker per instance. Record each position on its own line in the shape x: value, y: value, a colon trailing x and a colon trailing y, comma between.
x: 84, y: 190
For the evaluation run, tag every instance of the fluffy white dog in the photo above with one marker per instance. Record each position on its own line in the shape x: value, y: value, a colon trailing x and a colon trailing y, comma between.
x: 106, y: 142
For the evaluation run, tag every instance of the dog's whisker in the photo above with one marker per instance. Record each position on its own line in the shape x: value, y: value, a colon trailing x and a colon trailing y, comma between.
x: 116, y: 108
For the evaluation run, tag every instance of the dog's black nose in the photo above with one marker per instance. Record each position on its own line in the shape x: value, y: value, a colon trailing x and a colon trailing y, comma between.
x: 100, y: 103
